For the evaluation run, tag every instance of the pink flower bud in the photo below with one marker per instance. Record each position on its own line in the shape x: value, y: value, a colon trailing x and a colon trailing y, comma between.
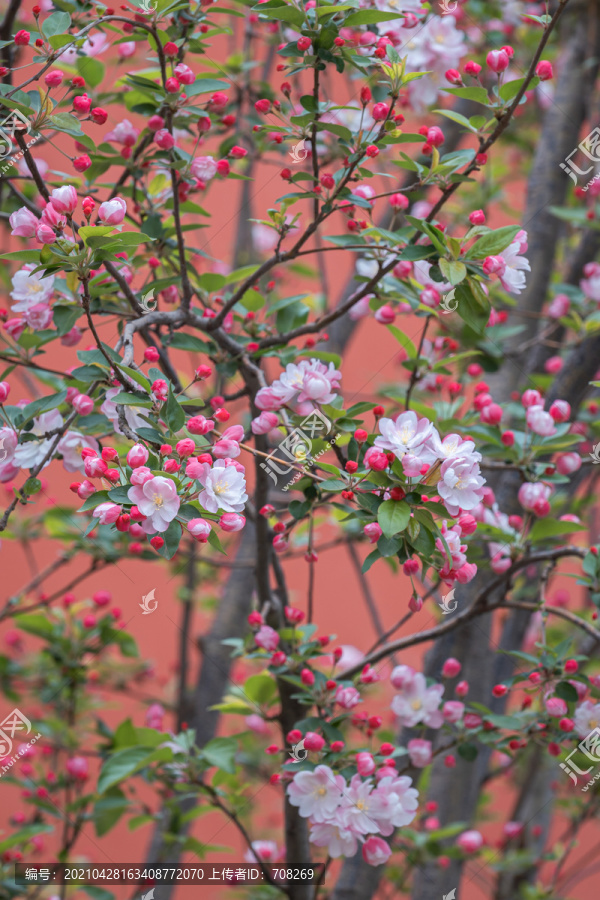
x: 137, y: 456
x: 200, y: 530
x: 497, y: 60
x: 419, y: 752
x: 267, y: 638
x: 451, y: 668
x: 470, y: 841
x: 543, y: 70
x: 556, y: 707
x: 83, y: 404
x: 232, y: 522
x: 477, y: 217
x: 376, y: 851
x: 313, y: 741
x: 365, y: 764
x: 4, y: 391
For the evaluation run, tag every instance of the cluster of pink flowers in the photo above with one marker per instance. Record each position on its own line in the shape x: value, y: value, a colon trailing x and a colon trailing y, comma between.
x: 155, y: 498
x: 303, y: 385
x: 342, y: 815
x: 417, y: 444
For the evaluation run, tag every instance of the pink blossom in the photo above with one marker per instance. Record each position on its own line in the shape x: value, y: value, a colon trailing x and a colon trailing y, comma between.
x: 373, y: 531
x: 137, y: 456
x: 38, y: 316
x: 460, y: 483
x: 157, y: 500
x: 407, y: 433
x: 264, y: 851
x: 124, y: 133
x: 534, y: 497
x: 403, y: 677
x: 112, y: 212
x: 419, y: 703
x: 204, y: 168
x: 376, y: 851
x: 264, y: 423
x: 420, y: 752
x: 365, y: 764
x: 453, y: 710
x: 567, y: 463
x: 224, y: 449
x: 559, y: 307
x: 107, y: 513
x: 77, y: 766
x: 141, y: 475
x: 470, y: 841
x: 316, y: 794
x: 540, y: 421
x: 347, y: 697
x: 23, y: 222
x: 126, y: 49
x: 267, y: 638
x: 224, y: 487
x: 556, y: 707
x: 64, y: 199
x: 154, y: 716
x: 232, y: 522
x: 338, y: 840
x: 199, y: 529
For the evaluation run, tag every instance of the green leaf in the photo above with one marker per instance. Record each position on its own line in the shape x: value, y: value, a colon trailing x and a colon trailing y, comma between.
x: 174, y: 414
x: 393, y: 516
x: 22, y: 255
x: 493, y: 242
x: 456, y: 117
x: 566, y: 692
x: 57, y: 23
x: 453, y: 270
x: 478, y: 94
x: 473, y: 305
x: 544, y: 528
x: 35, y: 623
x: 220, y: 752
x: 91, y: 69
x: 65, y: 317
x: 281, y: 13
x: 23, y: 835
x: 205, y: 86
x: 65, y: 122
x: 260, y: 688
x: 44, y: 404
x: 121, y: 765
x: 368, y: 17
x: 108, y: 811
x: 172, y: 538
x: 468, y: 751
